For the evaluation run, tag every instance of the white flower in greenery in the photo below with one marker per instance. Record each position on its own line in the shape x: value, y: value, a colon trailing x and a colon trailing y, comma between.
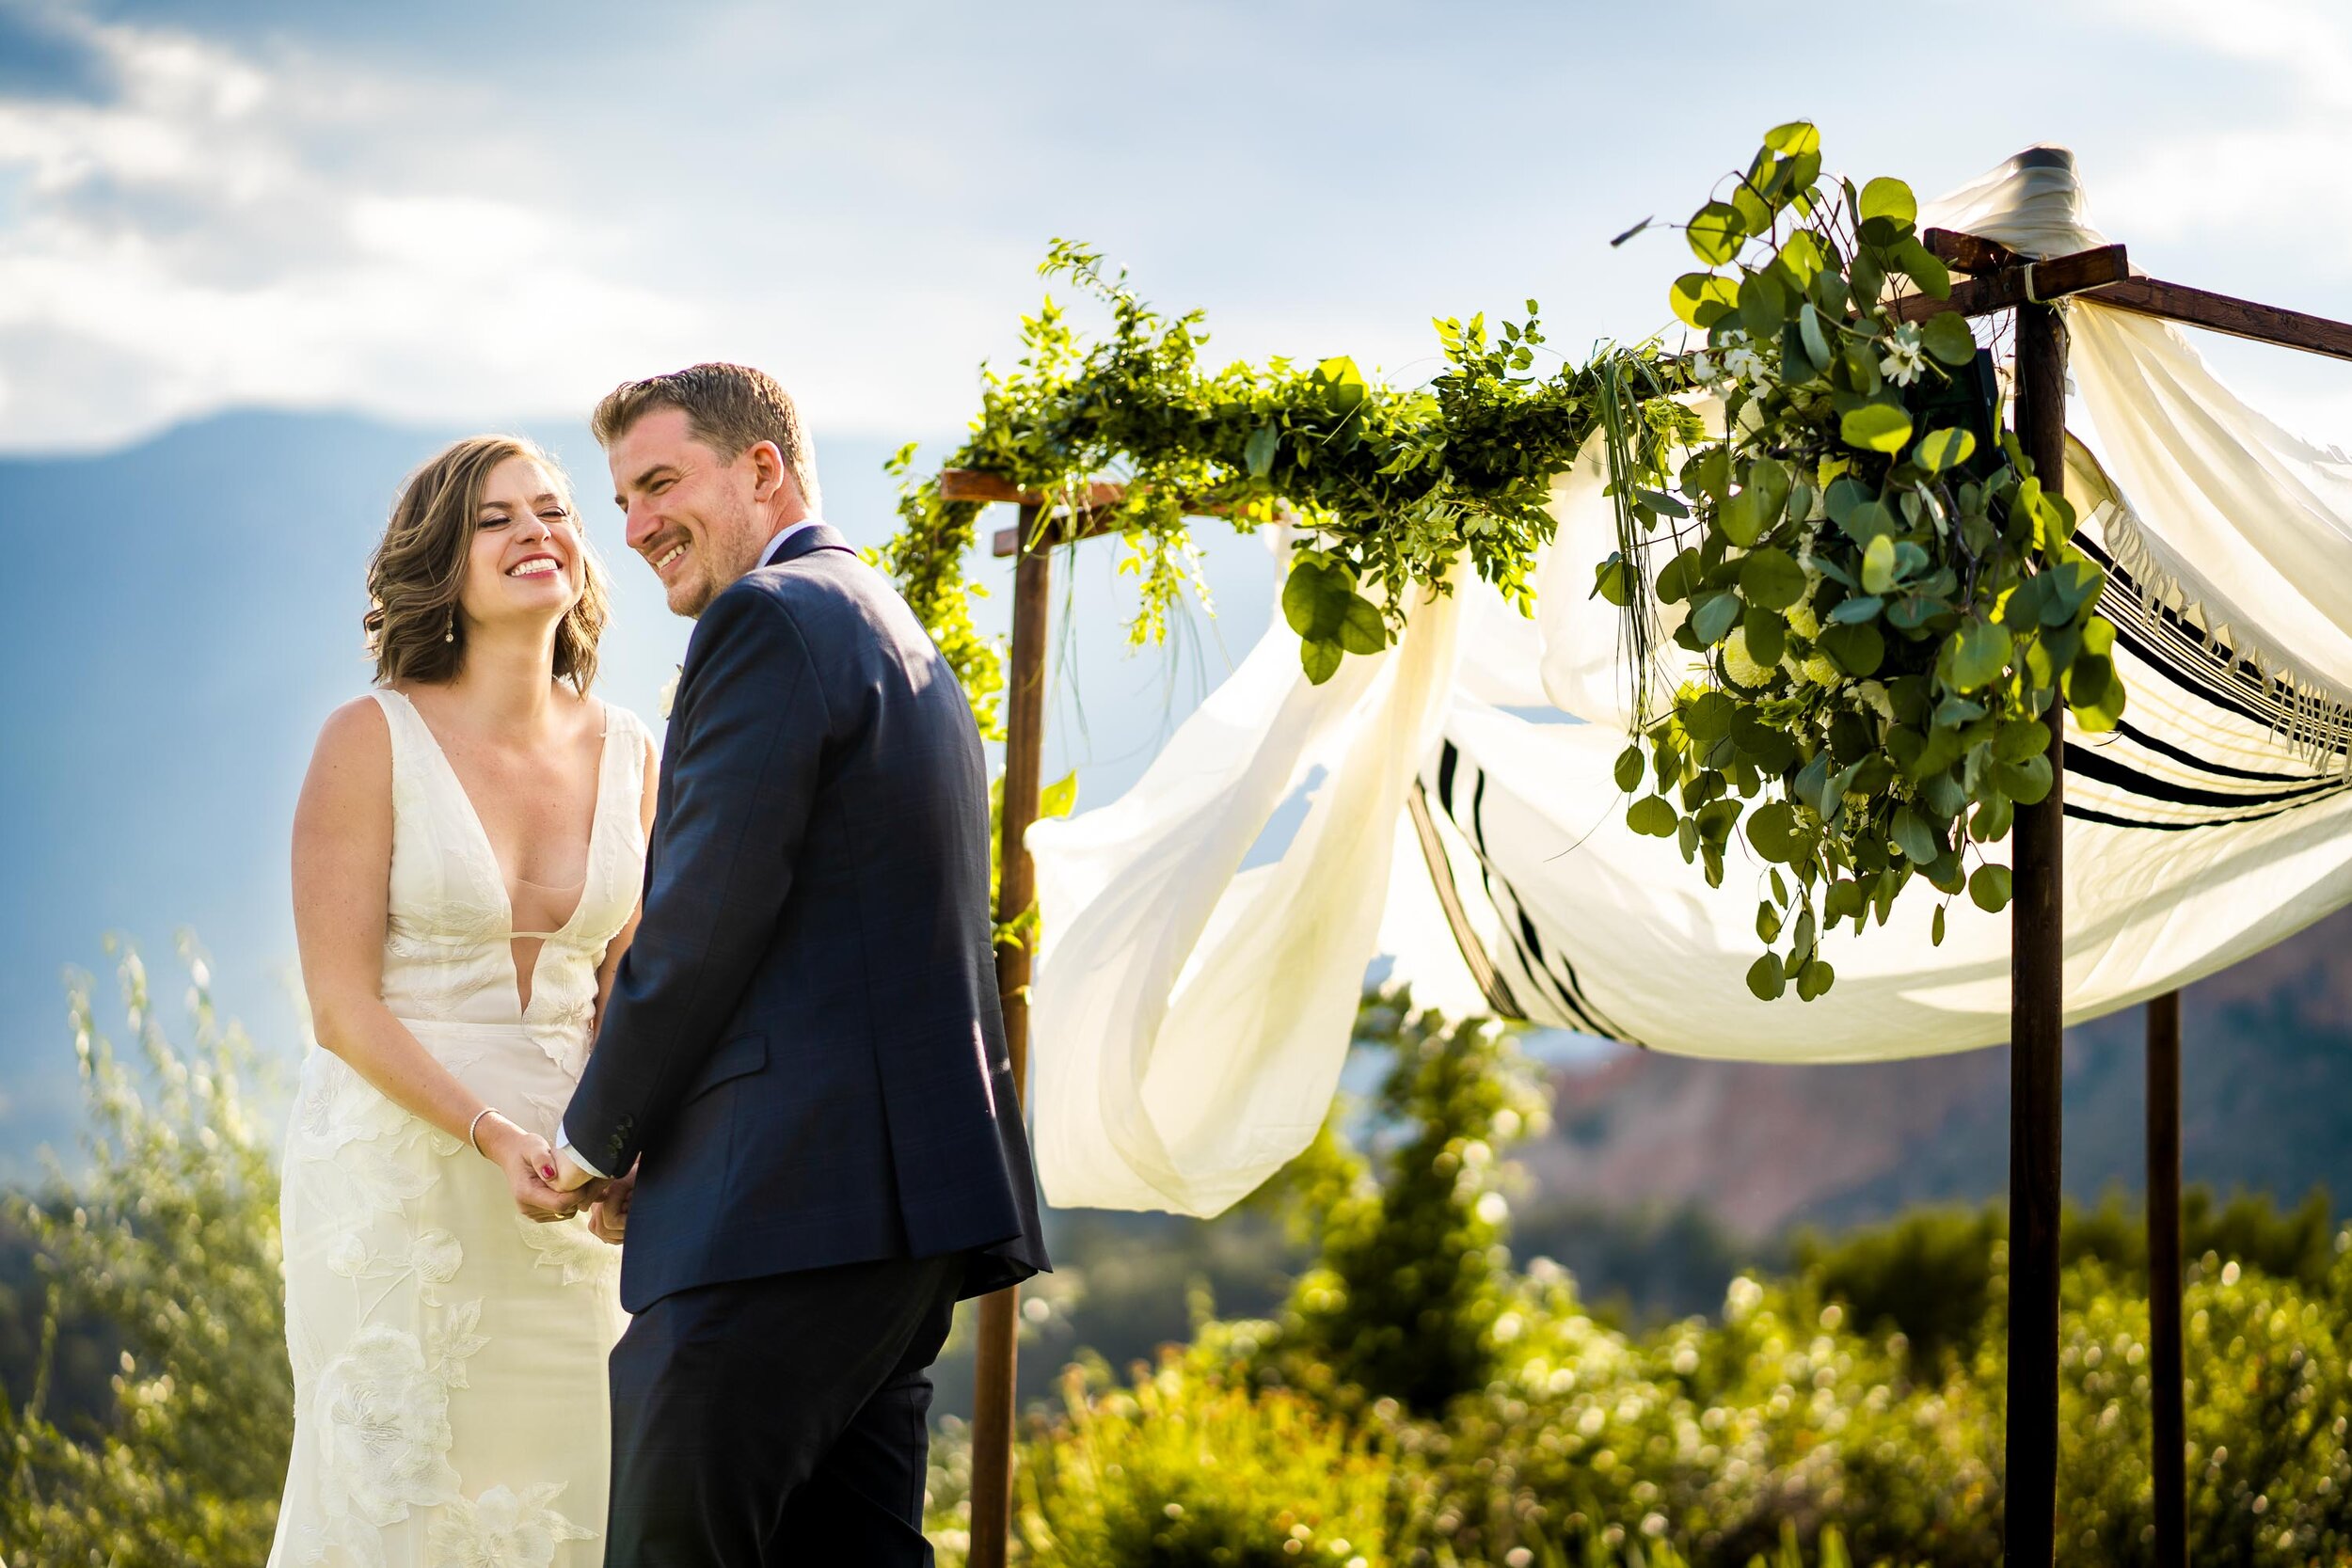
x: 1742, y: 363
x: 1905, y: 360
x: 669, y: 692
x: 503, y: 1530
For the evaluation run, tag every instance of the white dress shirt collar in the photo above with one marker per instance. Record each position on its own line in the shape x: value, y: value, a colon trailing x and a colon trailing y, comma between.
x: 768, y: 555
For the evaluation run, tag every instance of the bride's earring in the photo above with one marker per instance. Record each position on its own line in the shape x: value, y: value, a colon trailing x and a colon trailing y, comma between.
x: 449, y: 632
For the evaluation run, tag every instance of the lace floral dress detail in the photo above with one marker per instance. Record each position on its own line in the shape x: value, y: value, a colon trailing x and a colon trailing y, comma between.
x: 449, y: 1356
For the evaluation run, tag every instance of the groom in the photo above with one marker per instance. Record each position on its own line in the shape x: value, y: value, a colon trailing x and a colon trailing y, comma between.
x: 802, y: 1059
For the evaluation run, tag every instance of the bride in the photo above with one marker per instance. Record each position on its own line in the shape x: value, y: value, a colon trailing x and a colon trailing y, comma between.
x: 468, y: 854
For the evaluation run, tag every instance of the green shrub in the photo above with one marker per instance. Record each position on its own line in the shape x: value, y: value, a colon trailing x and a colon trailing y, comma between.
x: 1722, y: 1440
x: 1185, y: 1468
x: 2269, y: 1476
x: 1936, y: 1275
x: 171, y: 1237
x: 2248, y: 1229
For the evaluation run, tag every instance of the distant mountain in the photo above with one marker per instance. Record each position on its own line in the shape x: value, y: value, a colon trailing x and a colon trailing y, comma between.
x: 2266, y: 1104
x: 176, y: 619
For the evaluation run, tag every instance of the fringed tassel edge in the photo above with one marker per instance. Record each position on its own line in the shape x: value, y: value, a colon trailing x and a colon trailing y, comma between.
x: 2316, y: 719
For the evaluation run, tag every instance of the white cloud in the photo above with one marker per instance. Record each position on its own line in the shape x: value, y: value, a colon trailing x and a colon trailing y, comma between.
x: 207, y: 236
x: 457, y: 229
x: 2275, y: 181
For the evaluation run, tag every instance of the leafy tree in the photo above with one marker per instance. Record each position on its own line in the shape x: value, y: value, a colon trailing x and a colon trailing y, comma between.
x: 170, y: 1235
x: 1414, y: 1277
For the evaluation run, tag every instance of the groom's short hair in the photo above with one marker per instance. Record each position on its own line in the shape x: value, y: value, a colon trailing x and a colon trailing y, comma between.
x: 728, y: 408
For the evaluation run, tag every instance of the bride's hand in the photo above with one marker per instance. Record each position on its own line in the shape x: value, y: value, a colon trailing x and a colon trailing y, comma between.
x: 530, y: 1168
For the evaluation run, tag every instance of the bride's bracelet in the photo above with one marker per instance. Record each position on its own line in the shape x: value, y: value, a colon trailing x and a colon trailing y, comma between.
x: 472, y: 1126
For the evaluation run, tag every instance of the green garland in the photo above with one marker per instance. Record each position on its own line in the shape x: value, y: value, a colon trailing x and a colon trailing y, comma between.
x: 1881, y: 603
x: 1395, y: 487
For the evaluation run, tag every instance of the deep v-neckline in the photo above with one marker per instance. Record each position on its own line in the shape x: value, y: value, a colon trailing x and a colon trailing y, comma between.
x: 489, y: 849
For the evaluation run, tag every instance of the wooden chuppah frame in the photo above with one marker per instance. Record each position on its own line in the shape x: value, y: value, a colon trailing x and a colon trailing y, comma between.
x: 2001, y: 280
x: 2005, y: 280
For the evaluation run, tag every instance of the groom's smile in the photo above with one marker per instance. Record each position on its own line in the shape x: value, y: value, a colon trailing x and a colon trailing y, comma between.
x: 698, y: 518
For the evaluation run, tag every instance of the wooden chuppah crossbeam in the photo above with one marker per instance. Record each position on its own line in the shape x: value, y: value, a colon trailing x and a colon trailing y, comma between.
x: 2238, y: 318
x: 1968, y: 252
x: 1090, y: 518
x: 2022, y: 282
x: 2146, y: 297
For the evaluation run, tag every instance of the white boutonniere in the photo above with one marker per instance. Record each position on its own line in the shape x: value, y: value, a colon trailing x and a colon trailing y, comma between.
x: 669, y: 692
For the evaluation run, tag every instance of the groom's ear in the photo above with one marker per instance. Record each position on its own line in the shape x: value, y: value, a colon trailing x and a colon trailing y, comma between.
x: 770, y: 476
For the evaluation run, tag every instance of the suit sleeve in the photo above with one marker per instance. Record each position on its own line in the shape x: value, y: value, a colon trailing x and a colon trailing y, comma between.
x: 750, y: 734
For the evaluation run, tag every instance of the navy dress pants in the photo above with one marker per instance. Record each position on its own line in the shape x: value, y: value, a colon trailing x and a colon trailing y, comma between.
x: 784, y: 1421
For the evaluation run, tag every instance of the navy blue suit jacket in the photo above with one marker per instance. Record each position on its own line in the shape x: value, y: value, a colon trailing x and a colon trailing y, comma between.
x: 803, y: 1042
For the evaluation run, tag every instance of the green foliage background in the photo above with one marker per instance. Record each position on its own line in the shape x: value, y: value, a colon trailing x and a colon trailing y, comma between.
x: 1852, y: 1407
x: 1416, y: 1395
x: 169, y: 1239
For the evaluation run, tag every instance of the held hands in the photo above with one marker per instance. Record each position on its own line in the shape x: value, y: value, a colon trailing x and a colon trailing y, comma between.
x: 607, y: 1219
x: 533, y: 1170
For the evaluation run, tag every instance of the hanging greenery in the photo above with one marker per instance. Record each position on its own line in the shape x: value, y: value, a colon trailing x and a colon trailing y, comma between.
x: 1887, y: 602
x: 1879, y: 606
x: 1394, y: 486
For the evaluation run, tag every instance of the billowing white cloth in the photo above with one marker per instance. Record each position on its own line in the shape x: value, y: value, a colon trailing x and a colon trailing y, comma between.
x: 1175, y: 998
x: 2258, y: 517
x: 2201, y: 832
x: 1215, y: 998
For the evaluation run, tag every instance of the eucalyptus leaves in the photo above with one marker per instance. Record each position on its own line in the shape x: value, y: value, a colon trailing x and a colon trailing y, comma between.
x: 1885, y: 601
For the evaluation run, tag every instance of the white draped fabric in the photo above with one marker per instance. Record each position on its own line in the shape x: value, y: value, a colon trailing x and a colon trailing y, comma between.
x: 1192, y: 999
x: 1209, y: 992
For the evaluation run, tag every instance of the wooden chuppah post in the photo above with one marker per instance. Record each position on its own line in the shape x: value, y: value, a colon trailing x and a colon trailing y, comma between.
x: 2037, y: 1004
x: 2168, y: 1465
x: 2006, y: 281
x: 997, y: 1350
x: 995, y: 1353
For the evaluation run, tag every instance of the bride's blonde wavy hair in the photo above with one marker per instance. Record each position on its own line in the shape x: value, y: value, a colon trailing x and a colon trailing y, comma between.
x: 419, y: 569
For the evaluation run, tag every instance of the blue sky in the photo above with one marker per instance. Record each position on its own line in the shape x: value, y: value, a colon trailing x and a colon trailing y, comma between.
x: 447, y: 212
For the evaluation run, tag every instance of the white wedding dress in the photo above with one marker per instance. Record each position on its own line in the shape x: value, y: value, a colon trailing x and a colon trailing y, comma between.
x: 448, y: 1355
